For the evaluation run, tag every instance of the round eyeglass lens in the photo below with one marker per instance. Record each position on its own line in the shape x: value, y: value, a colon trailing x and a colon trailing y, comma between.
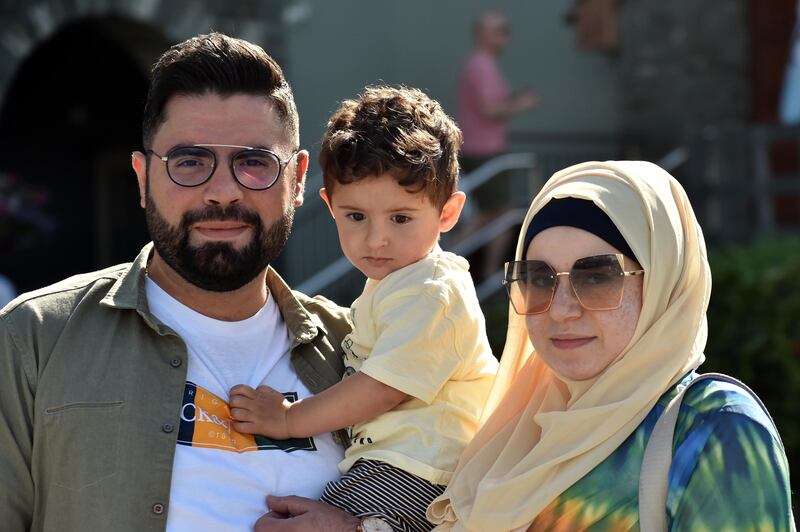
x: 256, y: 169
x: 190, y: 166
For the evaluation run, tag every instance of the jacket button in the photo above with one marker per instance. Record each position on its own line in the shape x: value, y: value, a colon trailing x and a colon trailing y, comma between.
x: 158, y: 508
x: 176, y: 362
x: 167, y: 427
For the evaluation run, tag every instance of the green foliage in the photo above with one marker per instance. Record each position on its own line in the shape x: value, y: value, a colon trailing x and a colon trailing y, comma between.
x: 754, y: 328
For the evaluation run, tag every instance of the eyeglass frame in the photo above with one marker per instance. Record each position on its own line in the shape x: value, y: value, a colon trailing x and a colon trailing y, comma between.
x: 281, y: 164
x: 620, y: 258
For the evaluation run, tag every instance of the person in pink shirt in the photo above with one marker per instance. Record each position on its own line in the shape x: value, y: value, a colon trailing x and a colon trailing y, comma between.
x: 485, y: 104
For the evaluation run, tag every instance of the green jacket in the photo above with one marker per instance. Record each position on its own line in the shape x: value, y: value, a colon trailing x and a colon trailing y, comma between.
x: 90, y: 391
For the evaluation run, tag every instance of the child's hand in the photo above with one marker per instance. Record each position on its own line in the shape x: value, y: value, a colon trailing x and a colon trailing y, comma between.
x: 261, y: 411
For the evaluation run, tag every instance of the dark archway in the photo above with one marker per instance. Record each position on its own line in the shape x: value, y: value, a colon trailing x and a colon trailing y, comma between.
x: 70, y: 120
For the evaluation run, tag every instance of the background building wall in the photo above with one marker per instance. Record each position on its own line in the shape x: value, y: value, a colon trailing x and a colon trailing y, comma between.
x: 683, y: 66
x: 680, y: 70
x: 329, y: 50
x: 334, y: 49
x: 342, y: 46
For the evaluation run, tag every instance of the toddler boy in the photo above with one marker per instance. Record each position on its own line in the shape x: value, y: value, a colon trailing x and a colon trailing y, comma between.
x: 418, y: 364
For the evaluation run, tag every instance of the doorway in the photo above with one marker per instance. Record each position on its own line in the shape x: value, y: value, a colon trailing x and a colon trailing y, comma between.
x: 69, y: 122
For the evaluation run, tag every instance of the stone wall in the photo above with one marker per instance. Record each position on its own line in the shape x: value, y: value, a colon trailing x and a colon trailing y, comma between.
x: 682, y: 66
x: 25, y: 24
x: 73, y: 78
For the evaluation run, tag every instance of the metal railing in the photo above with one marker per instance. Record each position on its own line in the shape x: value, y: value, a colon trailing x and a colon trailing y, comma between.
x: 730, y: 177
x: 769, y: 185
x: 493, y: 283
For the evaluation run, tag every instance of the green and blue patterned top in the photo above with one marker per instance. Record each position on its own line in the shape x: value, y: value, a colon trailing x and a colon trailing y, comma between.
x: 728, y: 472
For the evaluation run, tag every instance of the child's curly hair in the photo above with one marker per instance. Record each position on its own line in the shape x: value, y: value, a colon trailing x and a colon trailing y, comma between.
x: 400, y: 131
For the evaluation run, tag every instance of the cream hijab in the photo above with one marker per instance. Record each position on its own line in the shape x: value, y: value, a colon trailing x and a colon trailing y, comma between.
x: 546, y: 432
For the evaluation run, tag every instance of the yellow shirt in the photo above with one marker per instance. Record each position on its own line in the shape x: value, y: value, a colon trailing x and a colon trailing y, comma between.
x: 420, y: 330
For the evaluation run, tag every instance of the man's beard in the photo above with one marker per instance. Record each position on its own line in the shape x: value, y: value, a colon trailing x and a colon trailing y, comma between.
x: 217, y: 266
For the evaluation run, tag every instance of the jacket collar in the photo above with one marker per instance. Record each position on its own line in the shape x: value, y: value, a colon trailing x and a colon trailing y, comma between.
x: 301, y: 324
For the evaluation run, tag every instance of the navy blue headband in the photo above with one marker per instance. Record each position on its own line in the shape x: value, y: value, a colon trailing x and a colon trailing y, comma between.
x: 579, y: 213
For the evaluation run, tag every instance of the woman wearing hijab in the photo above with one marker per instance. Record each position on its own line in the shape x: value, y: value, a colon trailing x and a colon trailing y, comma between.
x: 607, y: 324
x: 591, y: 359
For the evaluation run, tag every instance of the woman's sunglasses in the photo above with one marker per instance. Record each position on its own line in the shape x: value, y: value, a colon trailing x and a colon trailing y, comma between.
x: 598, y: 283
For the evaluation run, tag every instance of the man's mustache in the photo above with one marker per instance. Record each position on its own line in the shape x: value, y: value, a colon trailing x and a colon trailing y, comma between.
x: 235, y: 213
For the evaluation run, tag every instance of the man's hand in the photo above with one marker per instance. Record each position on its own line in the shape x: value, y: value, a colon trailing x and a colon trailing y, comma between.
x: 525, y: 99
x: 261, y: 411
x: 298, y: 514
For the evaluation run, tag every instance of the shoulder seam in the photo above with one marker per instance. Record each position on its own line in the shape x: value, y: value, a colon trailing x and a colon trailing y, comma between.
x: 29, y: 372
x: 44, y: 292
x: 772, y: 432
x: 728, y: 410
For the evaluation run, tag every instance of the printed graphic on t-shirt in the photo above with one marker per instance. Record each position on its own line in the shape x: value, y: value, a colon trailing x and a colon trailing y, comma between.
x: 206, y: 422
x: 351, y: 359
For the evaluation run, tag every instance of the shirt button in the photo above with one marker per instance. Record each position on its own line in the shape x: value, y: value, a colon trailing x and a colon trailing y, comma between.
x: 158, y: 508
x: 176, y: 362
x: 167, y: 427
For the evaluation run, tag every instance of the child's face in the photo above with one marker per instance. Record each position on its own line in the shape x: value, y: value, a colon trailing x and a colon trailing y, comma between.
x: 382, y: 227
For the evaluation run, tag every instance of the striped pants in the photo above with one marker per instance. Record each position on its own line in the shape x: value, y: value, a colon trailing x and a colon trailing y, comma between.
x: 376, y: 489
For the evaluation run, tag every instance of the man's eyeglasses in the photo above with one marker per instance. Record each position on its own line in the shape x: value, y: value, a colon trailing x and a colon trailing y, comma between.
x: 598, y: 283
x: 253, y: 168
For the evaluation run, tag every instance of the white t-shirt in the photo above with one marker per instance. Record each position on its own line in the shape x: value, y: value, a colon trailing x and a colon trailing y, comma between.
x: 220, y: 478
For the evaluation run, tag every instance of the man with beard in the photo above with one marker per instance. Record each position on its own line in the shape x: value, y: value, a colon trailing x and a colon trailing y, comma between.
x: 114, y: 384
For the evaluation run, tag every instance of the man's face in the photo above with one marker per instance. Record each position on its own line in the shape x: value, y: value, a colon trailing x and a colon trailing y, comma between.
x: 219, y: 236
x: 495, y: 33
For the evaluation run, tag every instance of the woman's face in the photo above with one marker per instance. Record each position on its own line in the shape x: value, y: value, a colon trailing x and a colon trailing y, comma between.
x: 578, y: 343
